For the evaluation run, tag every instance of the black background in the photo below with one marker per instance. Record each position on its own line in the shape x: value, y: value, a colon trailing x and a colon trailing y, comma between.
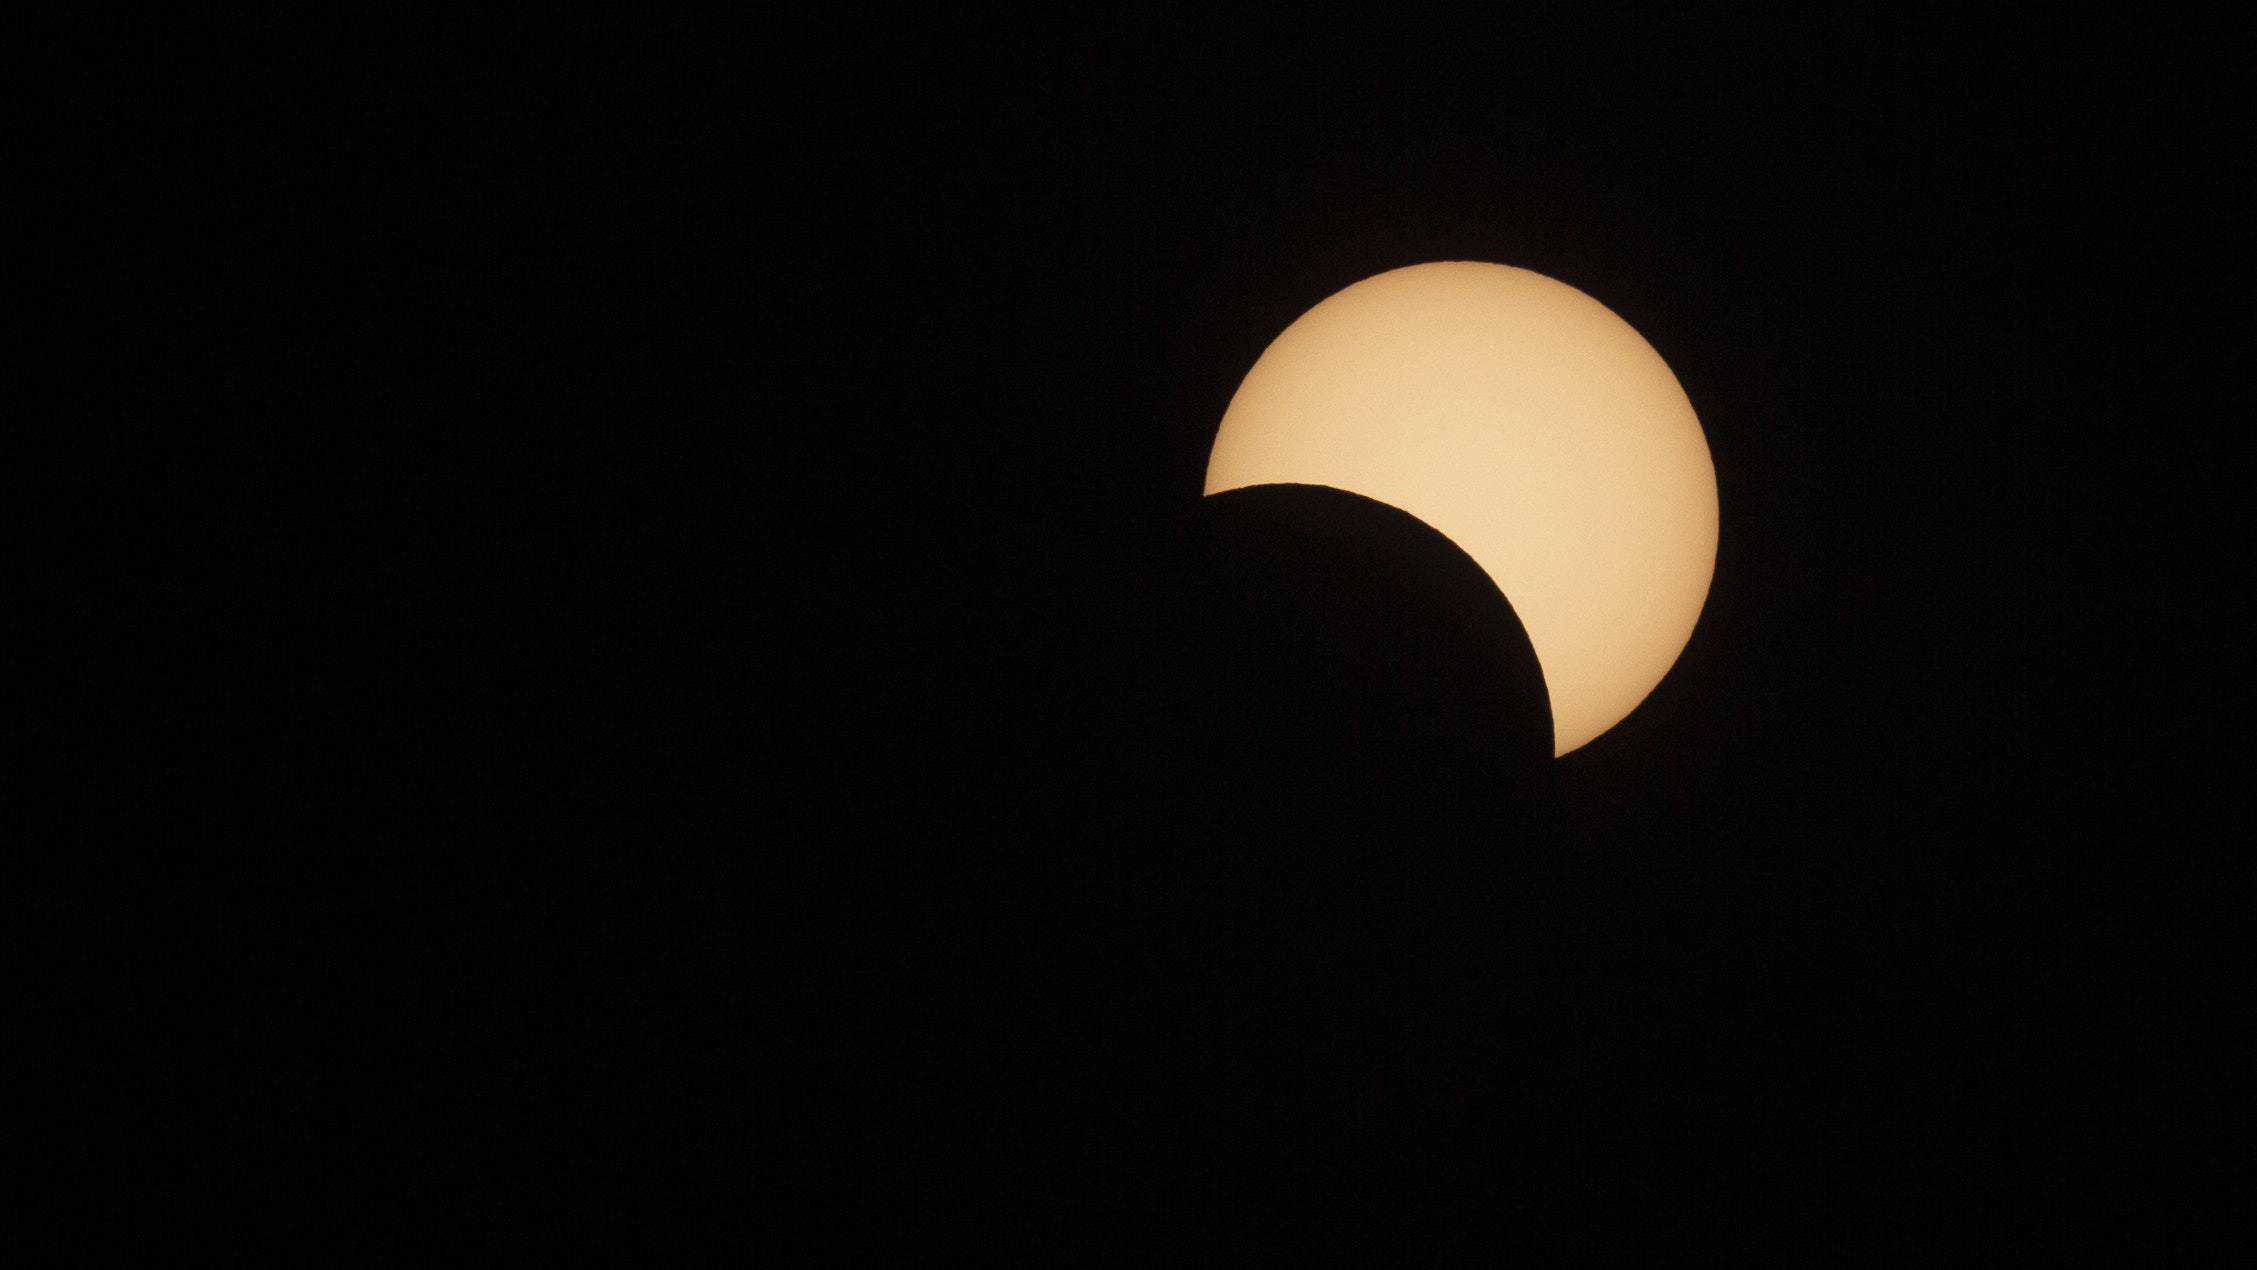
x: 773, y: 444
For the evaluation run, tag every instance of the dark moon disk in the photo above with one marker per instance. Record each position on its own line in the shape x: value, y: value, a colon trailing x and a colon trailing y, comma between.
x: 1328, y: 773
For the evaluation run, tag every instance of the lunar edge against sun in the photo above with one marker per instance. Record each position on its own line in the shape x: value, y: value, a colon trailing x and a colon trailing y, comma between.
x: 1531, y: 426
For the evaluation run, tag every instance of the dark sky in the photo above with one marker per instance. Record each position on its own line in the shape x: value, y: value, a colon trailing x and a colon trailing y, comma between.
x: 814, y: 416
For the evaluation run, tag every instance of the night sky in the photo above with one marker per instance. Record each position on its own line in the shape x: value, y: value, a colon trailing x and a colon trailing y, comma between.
x: 804, y: 425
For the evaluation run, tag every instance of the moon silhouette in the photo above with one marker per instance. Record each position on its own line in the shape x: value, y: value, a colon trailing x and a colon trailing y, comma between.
x: 1531, y: 426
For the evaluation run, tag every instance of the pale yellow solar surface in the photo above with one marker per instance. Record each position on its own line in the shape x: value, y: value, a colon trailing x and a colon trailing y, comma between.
x: 1530, y: 425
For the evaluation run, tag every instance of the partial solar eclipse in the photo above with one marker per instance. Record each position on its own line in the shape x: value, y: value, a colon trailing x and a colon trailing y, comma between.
x: 1531, y: 426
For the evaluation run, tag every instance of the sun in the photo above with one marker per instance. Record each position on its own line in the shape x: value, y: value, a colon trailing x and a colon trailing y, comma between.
x: 1530, y: 425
